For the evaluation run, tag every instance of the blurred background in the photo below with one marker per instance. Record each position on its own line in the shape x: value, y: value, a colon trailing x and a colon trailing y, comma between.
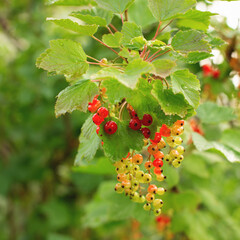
x: 42, y: 194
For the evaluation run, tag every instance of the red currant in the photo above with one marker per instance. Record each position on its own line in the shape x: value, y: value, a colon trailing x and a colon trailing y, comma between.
x: 110, y: 127
x: 157, y: 170
x: 179, y: 123
x: 152, y: 188
x: 165, y: 131
x: 157, y: 137
x: 216, y: 73
x: 158, y: 163
x: 207, y: 70
x: 146, y: 132
x: 135, y: 124
x: 102, y: 112
x: 134, y: 113
x: 97, y: 130
x: 147, y: 120
x: 97, y: 119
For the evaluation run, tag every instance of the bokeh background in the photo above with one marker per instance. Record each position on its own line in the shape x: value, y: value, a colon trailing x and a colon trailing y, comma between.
x: 42, y: 196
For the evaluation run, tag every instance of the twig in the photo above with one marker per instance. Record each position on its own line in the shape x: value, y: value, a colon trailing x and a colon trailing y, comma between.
x: 109, y: 29
x: 93, y: 59
x: 126, y: 15
x: 166, y: 25
x: 160, y: 55
x: 113, y: 27
x: 154, y: 54
x: 122, y: 18
x: 147, y: 54
x: 156, y: 34
x: 143, y: 52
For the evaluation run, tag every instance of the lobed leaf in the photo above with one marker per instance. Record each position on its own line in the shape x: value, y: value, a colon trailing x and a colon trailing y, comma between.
x: 163, y: 67
x: 112, y: 40
x: 116, y: 6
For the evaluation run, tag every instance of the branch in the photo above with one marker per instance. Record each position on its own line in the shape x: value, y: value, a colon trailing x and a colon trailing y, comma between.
x: 160, y: 55
x: 113, y: 27
x: 156, y: 34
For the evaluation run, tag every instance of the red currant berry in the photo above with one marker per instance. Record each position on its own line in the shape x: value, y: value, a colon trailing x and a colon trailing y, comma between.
x: 157, y: 137
x: 158, y: 163
x: 216, y: 73
x: 97, y: 119
x: 152, y: 188
x: 102, y: 112
x: 157, y: 170
x: 135, y: 124
x: 110, y: 127
x: 134, y: 113
x: 97, y: 130
x: 207, y: 70
x: 146, y: 132
x: 180, y: 123
x: 165, y: 131
x: 147, y: 120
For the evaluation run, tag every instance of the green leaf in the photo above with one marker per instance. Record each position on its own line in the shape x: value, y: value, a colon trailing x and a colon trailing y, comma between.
x: 102, y: 167
x: 64, y: 57
x: 137, y: 43
x: 117, y: 145
x: 88, y: 30
x: 210, y: 112
x: 129, y: 55
x: 231, y: 138
x: 190, y: 41
x: 112, y: 40
x: 163, y: 67
x: 195, y: 164
x: 195, y: 19
x: 75, y: 97
x: 172, y: 175
x: 71, y: 2
x: 192, y: 57
x: 202, y: 145
x: 130, y: 31
x: 96, y: 16
x: 168, y: 9
x: 170, y: 103
x: 116, y: 6
x: 217, y: 42
x: 140, y: 14
x: 188, y: 85
x: 156, y: 44
x: 89, y: 143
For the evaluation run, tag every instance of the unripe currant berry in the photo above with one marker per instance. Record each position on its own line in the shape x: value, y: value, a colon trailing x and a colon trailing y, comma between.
x: 177, y: 131
x: 170, y: 141
x: 157, y: 203
x: 139, y: 174
x: 176, y: 163
x: 121, y: 177
x: 157, y: 170
x: 179, y: 123
x: 118, y: 188
x: 147, y: 120
x: 126, y: 184
x: 135, y: 184
x: 148, y: 165
x: 180, y: 158
x: 128, y: 166
x: 147, y: 207
x: 165, y: 131
x: 147, y: 178
x: 97, y: 119
x: 161, y: 144
x: 135, y: 124
x: 135, y: 197
x: 159, y: 154
x: 137, y: 159
x: 174, y: 153
x: 168, y: 158
x: 136, y: 168
x: 146, y: 132
x: 152, y: 189
x: 160, y: 177
x: 103, y: 112
x: 103, y: 61
x: 142, y: 199
x: 150, y: 197
x: 161, y: 191
x: 152, y: 149
x: 157, y: 212
x: 180, y: 149
x: 120, y: 169
x: 178, y: 140
x: 158, y: 163
x: 110, y: 127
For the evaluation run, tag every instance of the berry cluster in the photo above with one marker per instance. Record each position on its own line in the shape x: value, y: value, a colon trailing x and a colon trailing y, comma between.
x: 110, y: 127
x: 209, y: 71
x: 136, y: 124
x: 137, y: 178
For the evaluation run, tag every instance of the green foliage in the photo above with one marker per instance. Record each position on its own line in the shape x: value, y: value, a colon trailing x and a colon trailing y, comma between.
x: 117, y: 6
x: 165, y: 10
x: 163, y: 67
x: 64, y: 57
x: 113, y: 40
x: 76, y: 96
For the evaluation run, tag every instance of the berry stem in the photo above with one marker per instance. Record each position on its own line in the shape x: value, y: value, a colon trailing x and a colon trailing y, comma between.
x: 109, y: 29
x: 93, y: 59
x: 112, y: 26
x: 154, y: 54
x: 126, y: 15
x: 122, y: 18
x: 143, y: 52
x: 160, y: 55
x: 147, y: 54
x: 121, y: 109
x: 166, y: 25
x: 157, y: 32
